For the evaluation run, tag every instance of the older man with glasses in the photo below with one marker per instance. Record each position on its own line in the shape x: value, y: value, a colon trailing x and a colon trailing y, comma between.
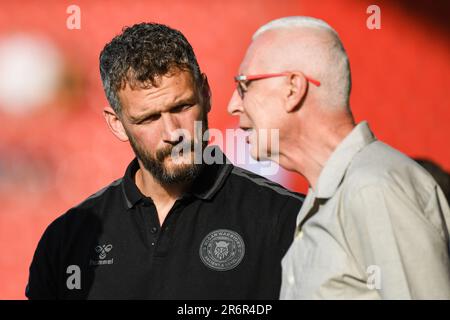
x: 374, y: 224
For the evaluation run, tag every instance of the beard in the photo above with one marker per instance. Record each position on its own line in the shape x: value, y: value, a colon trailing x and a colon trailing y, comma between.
x: 179, y: 173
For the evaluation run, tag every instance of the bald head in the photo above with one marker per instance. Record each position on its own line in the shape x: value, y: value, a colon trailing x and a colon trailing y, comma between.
x: 305, y: 44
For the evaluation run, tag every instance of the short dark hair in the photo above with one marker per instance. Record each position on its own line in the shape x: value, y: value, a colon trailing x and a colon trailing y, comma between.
x: 140, y: 54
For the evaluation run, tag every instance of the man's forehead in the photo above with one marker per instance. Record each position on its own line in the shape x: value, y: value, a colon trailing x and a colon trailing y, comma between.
x: 253, y: 61
x: 174, y: 77
x: 277, y: 49
x: 259, y: 55
x: 166, y: 90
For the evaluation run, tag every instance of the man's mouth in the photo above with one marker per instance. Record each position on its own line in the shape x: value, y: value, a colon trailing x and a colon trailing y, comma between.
x: 248, y: 132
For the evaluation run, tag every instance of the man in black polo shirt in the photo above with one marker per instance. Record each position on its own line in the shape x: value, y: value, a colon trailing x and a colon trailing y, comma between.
x: 173, y: 227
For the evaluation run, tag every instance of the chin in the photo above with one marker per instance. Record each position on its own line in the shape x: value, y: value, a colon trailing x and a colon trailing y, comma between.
x: 259, y: 155
x: 179, y: 162
x: 254, y: 152
x: 175, y: 168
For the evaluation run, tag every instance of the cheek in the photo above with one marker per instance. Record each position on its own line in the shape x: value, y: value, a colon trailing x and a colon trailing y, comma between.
x: 191, y: 120
x: 261, y: 120
x: 258, y: 111
x: 147, y: 138
x: 266, y: 125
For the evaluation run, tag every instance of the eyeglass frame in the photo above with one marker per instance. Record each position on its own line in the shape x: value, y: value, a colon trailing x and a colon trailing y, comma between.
x: 243, y: 80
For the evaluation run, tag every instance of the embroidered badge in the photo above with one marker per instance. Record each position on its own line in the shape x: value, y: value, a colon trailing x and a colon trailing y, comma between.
x: 222, y: 250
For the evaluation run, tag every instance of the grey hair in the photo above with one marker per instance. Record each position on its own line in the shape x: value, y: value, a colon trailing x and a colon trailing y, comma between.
x: 340, y: 82
x: 294, y: 21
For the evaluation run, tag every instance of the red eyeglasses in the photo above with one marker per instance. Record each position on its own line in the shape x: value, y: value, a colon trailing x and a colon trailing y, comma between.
x: 243, y: 80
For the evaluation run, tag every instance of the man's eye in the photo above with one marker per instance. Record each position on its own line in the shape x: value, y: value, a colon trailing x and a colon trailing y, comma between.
x: 181, y: 108
x: 150, y: 118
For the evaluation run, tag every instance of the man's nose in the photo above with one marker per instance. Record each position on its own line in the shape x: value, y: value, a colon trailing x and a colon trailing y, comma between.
x: 171, y: 131
x: 235, y: 104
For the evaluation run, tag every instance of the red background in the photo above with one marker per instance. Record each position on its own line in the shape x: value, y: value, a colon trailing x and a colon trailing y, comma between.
x: 400, y: 85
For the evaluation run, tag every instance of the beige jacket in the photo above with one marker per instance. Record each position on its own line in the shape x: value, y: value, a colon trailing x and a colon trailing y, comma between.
x: 376, y: 227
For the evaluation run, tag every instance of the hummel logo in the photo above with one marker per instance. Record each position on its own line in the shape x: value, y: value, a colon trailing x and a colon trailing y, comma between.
x: 103, y: 250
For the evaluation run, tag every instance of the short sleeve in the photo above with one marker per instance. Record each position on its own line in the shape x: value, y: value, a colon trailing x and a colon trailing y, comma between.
x: 388, y: 231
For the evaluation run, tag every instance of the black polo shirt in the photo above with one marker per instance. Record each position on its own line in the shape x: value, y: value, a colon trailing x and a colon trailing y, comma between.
x: 224, y: 239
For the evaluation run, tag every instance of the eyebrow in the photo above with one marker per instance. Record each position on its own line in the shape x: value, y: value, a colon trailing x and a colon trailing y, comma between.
x: 191, y: 100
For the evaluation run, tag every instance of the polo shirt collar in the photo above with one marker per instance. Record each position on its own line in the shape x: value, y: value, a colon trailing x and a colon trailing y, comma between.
x: 204, y: 187
x: 336, y: 166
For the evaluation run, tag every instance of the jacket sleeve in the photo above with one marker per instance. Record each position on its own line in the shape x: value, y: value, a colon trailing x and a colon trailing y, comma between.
x: 400, y: 244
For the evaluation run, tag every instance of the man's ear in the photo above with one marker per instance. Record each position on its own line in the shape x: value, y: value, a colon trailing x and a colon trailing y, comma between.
x: 115, y: 124
x: 297, y: 88
x: 206, y: 93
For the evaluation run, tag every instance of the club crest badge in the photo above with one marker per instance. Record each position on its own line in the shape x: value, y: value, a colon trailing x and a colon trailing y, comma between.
x: 222, y: 250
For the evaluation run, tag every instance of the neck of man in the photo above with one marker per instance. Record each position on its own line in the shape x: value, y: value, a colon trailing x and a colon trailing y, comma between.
x: 315, y: 141
x: 163, y: 196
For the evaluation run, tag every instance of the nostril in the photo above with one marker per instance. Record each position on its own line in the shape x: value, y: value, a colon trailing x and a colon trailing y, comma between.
x: 235, y: 112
